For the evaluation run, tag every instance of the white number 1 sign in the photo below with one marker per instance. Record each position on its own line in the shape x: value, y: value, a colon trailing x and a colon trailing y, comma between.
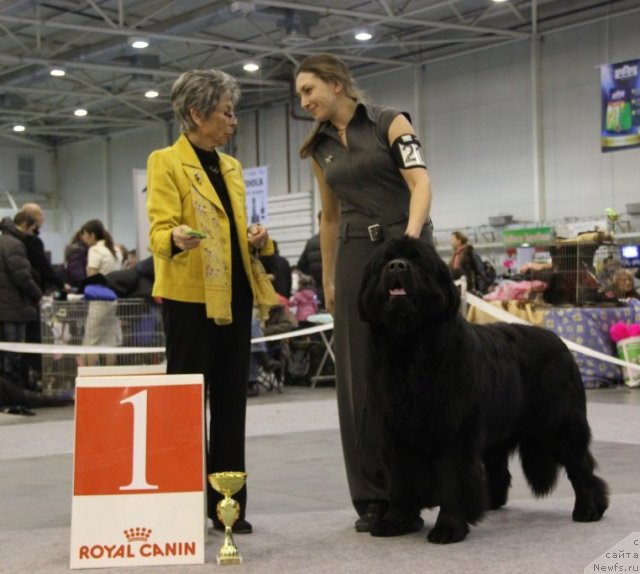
x: 138, y: 471
x: 139, y: 462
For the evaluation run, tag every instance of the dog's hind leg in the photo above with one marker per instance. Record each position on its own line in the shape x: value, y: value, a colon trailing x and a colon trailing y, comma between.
x: 496, y: 465
x: 592, y: 493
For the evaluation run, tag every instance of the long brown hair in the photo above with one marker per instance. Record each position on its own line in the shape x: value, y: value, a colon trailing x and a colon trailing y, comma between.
x: 328, y: 68
x: 96, y: 227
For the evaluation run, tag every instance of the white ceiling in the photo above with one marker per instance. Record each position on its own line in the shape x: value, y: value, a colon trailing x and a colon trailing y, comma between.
x: 108, y: 77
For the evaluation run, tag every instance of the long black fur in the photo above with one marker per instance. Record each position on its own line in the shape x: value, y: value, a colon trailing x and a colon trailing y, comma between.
x: 457, y: 399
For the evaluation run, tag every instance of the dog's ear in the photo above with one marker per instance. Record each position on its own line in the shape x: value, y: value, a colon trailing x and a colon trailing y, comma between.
x: 441, y: 276
x: 452, y: 294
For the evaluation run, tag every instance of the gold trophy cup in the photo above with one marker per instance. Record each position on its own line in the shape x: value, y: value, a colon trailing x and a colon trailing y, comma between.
x: 228, y: 510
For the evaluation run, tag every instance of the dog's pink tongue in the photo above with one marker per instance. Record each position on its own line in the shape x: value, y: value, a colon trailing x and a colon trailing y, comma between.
x: 399, y: 291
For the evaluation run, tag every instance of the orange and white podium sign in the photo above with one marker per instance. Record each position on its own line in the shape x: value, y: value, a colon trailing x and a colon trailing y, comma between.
x: 138, y: 476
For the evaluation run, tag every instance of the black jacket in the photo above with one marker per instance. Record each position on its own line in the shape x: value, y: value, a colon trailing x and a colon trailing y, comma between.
x: 279, y: 267
x: 19, y: 292
x: 134, y: 282
x: 310, y: 262
x: 43, y: 271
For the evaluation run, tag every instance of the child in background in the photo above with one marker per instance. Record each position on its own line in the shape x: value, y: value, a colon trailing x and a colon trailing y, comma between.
x: 305, y: 299
x: 624, y: 285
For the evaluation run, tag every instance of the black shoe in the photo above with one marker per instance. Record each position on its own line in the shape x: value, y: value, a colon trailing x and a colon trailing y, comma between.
x: 253, y: 390
x: 374, y: 512
x: 20, y: 410
x: 240, y: 527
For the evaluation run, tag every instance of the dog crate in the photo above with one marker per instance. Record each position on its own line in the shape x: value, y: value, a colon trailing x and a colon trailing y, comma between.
x: 138, y: 324
x: 581, y: 272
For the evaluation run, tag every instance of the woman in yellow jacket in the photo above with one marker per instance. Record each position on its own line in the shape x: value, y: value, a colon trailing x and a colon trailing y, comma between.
x: 204, y: 270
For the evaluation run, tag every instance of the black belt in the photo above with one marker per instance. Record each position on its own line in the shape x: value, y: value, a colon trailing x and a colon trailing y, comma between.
x: 374, y: 232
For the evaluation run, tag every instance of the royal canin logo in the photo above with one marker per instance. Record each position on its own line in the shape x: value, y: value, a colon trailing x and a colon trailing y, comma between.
x: 137, y: 546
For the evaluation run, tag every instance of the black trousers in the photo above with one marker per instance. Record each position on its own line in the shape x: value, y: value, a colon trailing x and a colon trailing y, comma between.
x: 195, y: 344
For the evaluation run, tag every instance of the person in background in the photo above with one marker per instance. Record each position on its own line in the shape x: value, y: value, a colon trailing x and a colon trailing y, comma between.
x: 279, y: 270
x: 610, y: 266
x: 310, y: 262
x: 20, y: 294
x: 305, y: 300
x: 102, y: 326
x: 373, y: 185
x: 124, y: 254
x: 623, y: 285
x: 466, y: 262
x: 45, y: 274
x: 132, y: 259
x: 47, y: 278
x: 204, y: 270
x: 75, y: 260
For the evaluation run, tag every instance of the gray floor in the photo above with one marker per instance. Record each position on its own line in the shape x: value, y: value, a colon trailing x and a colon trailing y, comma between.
x: 300, y: 507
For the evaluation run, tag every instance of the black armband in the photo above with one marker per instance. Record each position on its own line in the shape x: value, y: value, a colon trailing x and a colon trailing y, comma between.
x: 406, y: 152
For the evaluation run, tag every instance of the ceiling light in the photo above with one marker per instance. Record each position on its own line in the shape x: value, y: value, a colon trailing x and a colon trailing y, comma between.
x: 151, y: 93
x: 499, y: 1
x: 251, y: 66
x: 58, y: 72
x: 363, y: 35
x: 138, y: 43
x: 80, y: 112
x: 19, y: 128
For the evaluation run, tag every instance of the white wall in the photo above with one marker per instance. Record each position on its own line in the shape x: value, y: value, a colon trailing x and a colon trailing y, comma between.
x: 44, y: 161
x: 96, y: 178
x: 478, y: 137
x: 473, y: 114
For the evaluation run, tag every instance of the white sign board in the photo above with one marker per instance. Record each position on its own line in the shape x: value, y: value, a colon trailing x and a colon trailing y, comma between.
x: 138, y: 471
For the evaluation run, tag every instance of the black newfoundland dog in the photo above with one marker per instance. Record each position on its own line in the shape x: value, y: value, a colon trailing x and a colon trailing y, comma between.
x: 457, y: 399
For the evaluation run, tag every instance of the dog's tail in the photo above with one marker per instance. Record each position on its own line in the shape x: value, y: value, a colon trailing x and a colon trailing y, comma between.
x: 539, y: 465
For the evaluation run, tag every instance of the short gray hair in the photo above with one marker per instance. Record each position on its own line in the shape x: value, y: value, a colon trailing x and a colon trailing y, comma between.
x: 202, y: 90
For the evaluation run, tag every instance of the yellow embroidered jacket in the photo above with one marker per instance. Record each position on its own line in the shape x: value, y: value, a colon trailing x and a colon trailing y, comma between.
x: 179, y: 192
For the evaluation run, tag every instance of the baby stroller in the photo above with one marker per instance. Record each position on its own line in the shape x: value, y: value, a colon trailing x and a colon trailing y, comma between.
x: 269, y: 359
x: 266, y: 369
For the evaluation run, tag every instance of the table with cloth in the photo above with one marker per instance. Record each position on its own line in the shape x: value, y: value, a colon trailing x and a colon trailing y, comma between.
x: 587, y: 326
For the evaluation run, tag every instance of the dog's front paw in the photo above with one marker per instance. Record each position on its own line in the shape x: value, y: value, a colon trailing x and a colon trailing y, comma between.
x: 386, y: 527
x: 448, y: 533
x: 591, y: 503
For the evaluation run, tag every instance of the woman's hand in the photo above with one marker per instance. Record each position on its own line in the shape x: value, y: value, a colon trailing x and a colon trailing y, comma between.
x: 182, y: 240
x: 257, y: 236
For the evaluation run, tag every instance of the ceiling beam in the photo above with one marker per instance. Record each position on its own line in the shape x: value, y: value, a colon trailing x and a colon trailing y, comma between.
x: 408, y: 19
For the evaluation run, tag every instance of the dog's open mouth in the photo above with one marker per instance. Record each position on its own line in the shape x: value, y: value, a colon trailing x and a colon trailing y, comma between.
x: 397, y: 291
x: 396, y: 287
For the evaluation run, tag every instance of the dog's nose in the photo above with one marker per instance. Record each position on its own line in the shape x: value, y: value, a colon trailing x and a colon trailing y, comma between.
x: 397, y: 265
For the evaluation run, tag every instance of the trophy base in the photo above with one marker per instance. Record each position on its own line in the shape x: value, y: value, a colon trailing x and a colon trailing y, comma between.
x: 228, y: 560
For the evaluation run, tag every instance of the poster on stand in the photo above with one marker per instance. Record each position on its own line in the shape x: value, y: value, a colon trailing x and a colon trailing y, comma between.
x: 620, y: 107
x: 256, y: 180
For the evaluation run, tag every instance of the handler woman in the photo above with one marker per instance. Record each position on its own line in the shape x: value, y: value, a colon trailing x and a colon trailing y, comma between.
x: 373, y: 186
x: 208, y: 283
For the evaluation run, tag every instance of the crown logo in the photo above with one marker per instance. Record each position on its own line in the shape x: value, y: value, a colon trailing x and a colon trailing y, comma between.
x: 137, y: 534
